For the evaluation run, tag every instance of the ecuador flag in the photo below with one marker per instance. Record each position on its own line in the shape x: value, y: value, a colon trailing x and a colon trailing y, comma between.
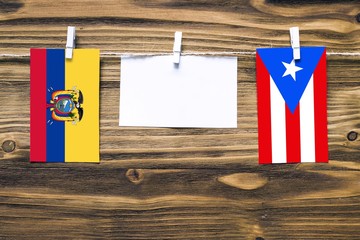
x: 64, y: 106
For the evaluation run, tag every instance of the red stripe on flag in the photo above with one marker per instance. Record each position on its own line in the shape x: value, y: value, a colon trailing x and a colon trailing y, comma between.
x: 293, y: 154
x: 38, y: 105
x: 320, y: 89
x: 264, y: 112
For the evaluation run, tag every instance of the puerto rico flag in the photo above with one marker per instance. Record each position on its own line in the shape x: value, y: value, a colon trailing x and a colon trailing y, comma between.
x: 64, y: 106
x: 292, y: 116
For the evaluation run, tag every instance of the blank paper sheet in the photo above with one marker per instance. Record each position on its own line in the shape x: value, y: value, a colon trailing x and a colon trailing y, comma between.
x: 200, y: 92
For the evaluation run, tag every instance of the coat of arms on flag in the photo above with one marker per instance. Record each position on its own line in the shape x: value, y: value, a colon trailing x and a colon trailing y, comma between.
x: 64, y: 105
x: 292, y: 116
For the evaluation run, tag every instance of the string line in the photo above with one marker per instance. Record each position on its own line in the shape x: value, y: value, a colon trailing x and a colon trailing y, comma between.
x: 129, y: 54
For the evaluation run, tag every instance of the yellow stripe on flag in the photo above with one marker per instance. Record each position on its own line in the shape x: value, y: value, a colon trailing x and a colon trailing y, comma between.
x: 82, y: 138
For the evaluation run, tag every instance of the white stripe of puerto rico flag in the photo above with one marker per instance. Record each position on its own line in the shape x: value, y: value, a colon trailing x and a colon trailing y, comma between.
x: 286, y: 137
x: 278, y: 125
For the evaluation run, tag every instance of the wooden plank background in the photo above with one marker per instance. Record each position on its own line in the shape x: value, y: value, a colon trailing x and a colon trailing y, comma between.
x: 180, y: 183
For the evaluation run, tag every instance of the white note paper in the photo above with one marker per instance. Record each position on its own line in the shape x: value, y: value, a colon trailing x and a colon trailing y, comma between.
x: 200, y: 92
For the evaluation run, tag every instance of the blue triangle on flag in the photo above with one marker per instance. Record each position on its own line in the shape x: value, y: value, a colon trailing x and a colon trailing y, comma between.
x: 275, y: 60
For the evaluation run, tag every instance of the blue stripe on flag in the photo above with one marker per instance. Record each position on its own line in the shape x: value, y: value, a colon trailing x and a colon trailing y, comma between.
x: 55, y: 130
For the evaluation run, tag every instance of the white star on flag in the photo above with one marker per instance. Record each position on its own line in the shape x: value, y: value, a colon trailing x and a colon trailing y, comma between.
x: 291, y: 69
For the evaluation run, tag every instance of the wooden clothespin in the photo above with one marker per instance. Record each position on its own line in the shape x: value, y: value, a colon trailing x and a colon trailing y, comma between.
x: 177, y: 47
x: 70, y: 42
x: 295, y: 42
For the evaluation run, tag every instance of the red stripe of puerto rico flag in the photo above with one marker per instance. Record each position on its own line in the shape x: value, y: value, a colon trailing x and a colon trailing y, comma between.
x: 300, y: 136
x: 37, y: 105
x: 321, y: 132
x: 264, y: 112
x: 293, y: 154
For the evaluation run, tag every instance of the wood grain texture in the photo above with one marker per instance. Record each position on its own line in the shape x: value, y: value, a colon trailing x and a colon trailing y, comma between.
x: 168, y: 183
